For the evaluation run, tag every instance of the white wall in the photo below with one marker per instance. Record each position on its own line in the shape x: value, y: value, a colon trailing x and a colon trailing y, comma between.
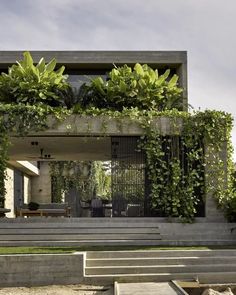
x: 9, y: 197
x: 27, y: 189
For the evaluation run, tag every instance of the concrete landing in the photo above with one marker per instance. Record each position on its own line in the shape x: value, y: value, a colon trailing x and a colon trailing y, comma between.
x: 145, y: 288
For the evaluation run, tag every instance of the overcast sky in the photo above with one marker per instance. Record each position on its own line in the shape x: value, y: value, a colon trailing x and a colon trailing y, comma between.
x: 205, y: 28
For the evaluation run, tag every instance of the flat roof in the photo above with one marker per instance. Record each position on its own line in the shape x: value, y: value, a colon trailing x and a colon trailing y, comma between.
x: 70, y: 58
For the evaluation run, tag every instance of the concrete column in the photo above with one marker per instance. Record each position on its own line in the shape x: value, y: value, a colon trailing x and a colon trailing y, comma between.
x: 41, y: 185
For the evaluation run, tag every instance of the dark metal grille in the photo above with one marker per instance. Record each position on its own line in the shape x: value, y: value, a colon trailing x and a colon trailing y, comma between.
x: 127, y: 177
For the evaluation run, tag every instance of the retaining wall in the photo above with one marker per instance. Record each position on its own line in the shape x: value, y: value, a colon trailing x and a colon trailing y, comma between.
x: 41, y: 269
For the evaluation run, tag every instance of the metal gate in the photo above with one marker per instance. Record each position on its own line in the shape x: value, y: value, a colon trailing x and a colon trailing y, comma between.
x: 127, y: 177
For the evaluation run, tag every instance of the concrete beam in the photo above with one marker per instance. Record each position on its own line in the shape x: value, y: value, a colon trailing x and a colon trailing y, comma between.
x: 77, y: 125
x: 86, y: 58
x: 26, y: 167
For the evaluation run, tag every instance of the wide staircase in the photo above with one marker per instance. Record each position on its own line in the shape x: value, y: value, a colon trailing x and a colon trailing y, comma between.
x: 77, y: 232
x: 59, y: 231
x: 207, y: 266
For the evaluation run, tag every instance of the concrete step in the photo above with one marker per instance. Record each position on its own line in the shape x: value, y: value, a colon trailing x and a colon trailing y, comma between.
x: 80, y: 222
x: 140, y: 269
x: 201, y: 225
x: 160, y: 253
x: 80, y: 237
x: 200, y: 236
x: 79, y: 230
x: 208, y: 277
x: 51, y: 234
x: 113, y: 232
x: 167, y: 288
x: 100, y: 262
x: 118, y: 243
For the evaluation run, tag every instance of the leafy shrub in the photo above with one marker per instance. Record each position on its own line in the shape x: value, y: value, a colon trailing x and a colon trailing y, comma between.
x: 141, y: 87
x: 32, y: 84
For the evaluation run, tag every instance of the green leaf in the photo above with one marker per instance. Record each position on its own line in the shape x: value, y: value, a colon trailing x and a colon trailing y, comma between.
x: 28, y: 61
x: 139, y: 69
x: 166, y: 74
x: 163, y: 78
x: 41, y: 65
x: 142, y: 83
x: 122, y: 86
x: 51, y: 65
x: 60, y: 71
x: 173, y: 80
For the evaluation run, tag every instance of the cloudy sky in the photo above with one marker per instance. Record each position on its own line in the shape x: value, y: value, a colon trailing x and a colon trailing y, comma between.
x: 205, y: 28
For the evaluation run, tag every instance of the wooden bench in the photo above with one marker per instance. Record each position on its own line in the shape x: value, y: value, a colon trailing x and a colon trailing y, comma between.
x: 45, y: 209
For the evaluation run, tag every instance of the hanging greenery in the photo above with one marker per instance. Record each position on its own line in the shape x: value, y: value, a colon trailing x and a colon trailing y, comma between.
x: 186, y: 166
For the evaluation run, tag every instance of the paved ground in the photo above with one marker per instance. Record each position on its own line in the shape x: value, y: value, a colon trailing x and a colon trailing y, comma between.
x: 59, y: 290
x: 146, y: 288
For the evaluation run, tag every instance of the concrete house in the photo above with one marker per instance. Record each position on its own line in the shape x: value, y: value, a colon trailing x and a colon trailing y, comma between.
x: 28, y: 169
x: 129, y: 218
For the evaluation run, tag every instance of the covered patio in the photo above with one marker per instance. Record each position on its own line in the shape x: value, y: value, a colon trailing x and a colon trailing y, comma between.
x: 117, y: 146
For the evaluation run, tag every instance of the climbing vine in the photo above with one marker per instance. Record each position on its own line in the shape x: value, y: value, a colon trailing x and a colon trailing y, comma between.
x: 183, y: 167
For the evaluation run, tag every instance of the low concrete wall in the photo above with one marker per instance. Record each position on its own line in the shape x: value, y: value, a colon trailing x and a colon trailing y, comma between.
x: 41, y: 269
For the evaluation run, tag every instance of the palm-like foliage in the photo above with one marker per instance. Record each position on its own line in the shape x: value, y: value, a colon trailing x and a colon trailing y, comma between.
x: 32, y: 84
x: 141, y: 87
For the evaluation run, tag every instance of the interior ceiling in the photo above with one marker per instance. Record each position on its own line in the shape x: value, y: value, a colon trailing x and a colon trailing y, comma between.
x: 60, y: 148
